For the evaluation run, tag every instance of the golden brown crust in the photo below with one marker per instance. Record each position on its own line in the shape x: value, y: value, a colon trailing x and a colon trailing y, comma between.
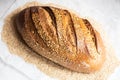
x: 62, y: 37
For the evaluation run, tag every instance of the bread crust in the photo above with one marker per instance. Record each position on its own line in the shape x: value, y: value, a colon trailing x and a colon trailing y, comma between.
x: 61, y: 37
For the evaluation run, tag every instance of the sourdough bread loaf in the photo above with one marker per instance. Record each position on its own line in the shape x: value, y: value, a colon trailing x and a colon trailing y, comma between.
x: 62, y: 37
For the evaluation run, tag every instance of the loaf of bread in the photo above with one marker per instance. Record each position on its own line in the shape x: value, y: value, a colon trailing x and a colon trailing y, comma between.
x: 61, y: 37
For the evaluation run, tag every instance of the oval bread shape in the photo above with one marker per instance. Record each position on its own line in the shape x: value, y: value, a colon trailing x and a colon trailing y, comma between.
x: 61, y: 37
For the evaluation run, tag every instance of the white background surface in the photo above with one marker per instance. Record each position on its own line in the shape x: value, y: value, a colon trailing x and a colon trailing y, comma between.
x: 106, y: 12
